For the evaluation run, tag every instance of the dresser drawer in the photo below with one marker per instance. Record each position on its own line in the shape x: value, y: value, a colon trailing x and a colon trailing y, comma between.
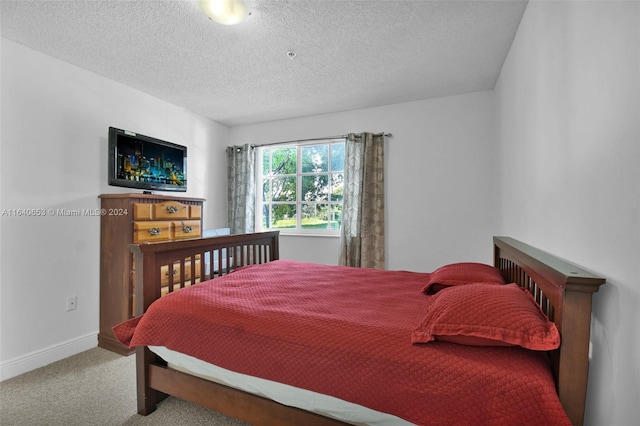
x: 170, y: 210
x: 151, y: 231
x: 164, y: 272
x: 142, y: 211
x: 164, y: 276
x: 195, y: 212
x: 185, y: 229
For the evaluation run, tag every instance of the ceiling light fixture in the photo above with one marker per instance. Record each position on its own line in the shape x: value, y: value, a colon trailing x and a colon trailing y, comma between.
x: 226, y: 12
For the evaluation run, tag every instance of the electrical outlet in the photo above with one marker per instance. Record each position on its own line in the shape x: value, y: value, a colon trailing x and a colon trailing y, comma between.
x: 72, y: 303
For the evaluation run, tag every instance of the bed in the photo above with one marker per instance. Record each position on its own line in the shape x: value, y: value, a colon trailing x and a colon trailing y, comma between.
x: 453, y: 382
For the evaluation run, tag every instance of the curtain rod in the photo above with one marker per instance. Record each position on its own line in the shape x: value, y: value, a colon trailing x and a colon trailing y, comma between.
x: 310, y: 140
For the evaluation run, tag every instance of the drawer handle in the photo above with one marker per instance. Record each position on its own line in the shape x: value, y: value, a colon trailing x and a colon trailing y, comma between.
x: 155, y: 231
x: 172, y: 209
x: 175, y: 272
x: 187, y: 229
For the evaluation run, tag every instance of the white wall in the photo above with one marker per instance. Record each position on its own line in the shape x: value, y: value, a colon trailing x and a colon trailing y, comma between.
x: 440, y: 182
x: 568, y: 108
x: 54, y: 155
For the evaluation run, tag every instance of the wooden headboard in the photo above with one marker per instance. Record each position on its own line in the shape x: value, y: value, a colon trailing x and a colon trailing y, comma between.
x: 563, y: 291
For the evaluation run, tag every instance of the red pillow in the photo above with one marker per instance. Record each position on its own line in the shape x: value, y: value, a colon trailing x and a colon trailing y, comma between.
x: 461, y: 274
x: 487, y: 315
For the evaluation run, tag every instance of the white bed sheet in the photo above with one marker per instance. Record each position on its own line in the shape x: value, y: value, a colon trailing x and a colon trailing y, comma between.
x: 288, y: 395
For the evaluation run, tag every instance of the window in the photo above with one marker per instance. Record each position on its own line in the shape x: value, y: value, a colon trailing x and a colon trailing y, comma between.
x: 302, y: 187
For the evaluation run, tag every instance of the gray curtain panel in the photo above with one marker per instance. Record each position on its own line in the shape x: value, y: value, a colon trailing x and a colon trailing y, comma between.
x: 362, y: 233
x: 241, y: 193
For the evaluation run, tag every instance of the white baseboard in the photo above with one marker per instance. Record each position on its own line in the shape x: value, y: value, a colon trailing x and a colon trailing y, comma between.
x: 40, y: 358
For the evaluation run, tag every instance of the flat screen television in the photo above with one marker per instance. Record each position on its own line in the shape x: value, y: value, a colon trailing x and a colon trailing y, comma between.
x: 143, y: 162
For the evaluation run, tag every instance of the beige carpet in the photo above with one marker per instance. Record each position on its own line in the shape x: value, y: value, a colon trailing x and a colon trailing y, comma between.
x: 96, y: 387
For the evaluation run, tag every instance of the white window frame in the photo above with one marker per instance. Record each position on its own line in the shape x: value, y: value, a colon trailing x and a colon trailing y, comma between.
x: 259, y: 178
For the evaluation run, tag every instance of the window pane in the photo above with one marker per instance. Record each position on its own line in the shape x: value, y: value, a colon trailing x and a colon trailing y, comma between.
x: 315, y: 158
x: 266, y: 189
x: 266, y: 216
x: 284, y: 160
x: 302, y: 186
x: 266, y: 161
x: 283, y: 189
x: 337, y: 157
x: 337, y: 186
x: 283, y: 216
x: 336, y: 216
x: 315, y: 216
x: 315, y: 188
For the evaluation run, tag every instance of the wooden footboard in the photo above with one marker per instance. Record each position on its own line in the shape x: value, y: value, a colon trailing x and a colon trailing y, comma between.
x: 563, y: 291
x: 161, y: 268
x: 164, y: 267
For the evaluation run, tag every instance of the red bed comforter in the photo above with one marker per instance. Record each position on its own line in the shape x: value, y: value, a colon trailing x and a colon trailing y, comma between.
x: 346, y: 332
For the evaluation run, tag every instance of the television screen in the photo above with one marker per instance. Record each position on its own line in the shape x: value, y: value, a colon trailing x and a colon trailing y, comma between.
x: 143, y: 162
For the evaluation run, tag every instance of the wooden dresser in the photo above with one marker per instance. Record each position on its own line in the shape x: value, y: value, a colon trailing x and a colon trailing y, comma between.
x: 135, y: 218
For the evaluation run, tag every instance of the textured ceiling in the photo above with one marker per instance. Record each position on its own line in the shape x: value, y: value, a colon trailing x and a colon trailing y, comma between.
x: 350, y: 54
